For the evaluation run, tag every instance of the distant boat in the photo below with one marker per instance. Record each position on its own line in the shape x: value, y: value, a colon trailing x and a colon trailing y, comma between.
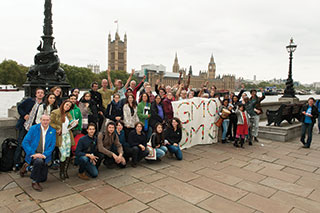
x: 8, y: 88
x: 271, y: 91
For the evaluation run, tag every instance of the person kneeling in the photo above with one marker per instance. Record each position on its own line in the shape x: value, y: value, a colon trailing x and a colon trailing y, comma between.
x: 38, y: 145
x: 86, y: 154
x: 138, y: 141
x: 157, y: 141
x: 172, y: 136
x: 110, y: 148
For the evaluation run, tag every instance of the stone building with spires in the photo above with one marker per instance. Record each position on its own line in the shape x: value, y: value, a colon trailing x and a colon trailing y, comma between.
x: 154, y: 72
x: 117, y: 53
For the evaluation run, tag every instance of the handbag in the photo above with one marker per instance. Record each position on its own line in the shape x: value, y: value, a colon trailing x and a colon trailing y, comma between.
x: 152, y: 151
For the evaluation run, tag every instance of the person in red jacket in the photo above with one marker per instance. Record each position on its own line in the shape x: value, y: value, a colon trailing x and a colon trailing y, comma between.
x: 167, y: 106
x: 135, y: 88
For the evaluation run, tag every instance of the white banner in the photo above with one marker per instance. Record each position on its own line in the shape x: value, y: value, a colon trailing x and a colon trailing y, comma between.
x: 198, y: 117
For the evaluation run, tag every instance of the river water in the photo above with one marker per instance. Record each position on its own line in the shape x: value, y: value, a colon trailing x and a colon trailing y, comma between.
x: 9, y: 99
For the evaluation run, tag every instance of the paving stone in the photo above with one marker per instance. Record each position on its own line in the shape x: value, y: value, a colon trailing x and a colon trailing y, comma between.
x: 22, y: 197
x: 288, y: 187
x: 218, y: 188
x: 309, y: 182
x: 263, y: 204
x: 149, y: 210
x: 88, y: 185
x: 138, y: 172
x: 153, y: 177
x: 143, y: 192
x: 155, y: 165
x: 190, y: 166
x: 301, y: 173
x: 5, y: 179
x: 222, y: 205
x: 182, y: 190
x: 315, y: 195
x: 86, y: 208
x: 189, y: 156
x: 105, y: 173
x: 253, y: 167
x: 279, y: 175
x: 106, y: 196
x: 236, y: 162
x: 272, y: 165
x: 263, y: 157
x: 64, y: 203
x: 179, y: 173
x: 256, y: 188
x: 203, y: 162
x: 295, y: 210
x: 309, y: 162
x: 243, y: 174
x: 4, y: 209
x: 219, y: 176
x: 132, y: 206
x: 297, y: 201
x: 121, y: 181
x: 296, y: 165
x: 10, y: 186
x: 24, y: 206
x: 9, y: 196
x: 173, y: 204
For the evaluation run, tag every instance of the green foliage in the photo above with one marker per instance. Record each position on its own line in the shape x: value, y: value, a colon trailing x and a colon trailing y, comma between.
x: 12, y: 73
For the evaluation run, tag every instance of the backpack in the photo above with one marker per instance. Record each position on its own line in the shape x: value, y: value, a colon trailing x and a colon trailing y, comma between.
x: 9, y: 146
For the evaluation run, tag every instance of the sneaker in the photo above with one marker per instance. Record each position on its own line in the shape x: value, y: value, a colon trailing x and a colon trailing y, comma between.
x: 83, y: 176
x: 23, y: 169
x: 250, y: 143
x: 36, y: 186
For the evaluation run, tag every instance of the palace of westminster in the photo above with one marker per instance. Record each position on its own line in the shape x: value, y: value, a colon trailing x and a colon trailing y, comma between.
x: 117, y: 60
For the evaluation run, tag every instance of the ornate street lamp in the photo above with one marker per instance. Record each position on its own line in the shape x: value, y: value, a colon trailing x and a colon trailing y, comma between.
x: 289, y: 92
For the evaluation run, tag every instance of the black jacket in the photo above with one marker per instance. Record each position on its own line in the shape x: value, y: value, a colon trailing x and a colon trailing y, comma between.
x: 134, y: 139
x: 155, y: 142
x: 97, y: 98
x: 155, y: 118
x: 114, y: 110
x: 24, y: 108
x: 173, y: 136
x: 86, y: 145
x: 314, y: 113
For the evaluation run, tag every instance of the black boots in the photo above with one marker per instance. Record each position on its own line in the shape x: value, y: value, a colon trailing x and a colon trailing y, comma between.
x: 241, y: 142
x: 66, y: 167
x: 62, y: 170
x: 236, y: 142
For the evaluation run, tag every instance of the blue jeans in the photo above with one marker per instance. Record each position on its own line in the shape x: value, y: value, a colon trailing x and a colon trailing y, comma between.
x: 161, y: 151
x: 319, y: 122
x: 225, y: 125
x: 175, y: 150
x: 86, y: 166
x: 306, y: 128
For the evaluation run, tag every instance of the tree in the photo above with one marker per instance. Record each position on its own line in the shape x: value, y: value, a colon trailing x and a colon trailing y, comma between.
x: 12, y: 73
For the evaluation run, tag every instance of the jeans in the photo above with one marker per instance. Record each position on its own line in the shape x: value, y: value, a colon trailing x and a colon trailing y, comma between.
x: 108, y: 161
x: 161, y: 151
x: 306, y: 128
x: 319, y: 122
x: 175, y: 150
x: 136, y: 153
x: 39, y: 171
x: 18, y: 152
x: 86, y: 166
x: 225, y: 125
x: 255, y: 127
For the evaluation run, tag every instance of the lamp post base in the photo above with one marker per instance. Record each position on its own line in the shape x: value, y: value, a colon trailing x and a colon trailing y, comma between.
x: 292, y: 100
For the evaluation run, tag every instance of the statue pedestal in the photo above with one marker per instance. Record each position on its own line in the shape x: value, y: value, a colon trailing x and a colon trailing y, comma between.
x: 292, y: 100
x: 30, y: 87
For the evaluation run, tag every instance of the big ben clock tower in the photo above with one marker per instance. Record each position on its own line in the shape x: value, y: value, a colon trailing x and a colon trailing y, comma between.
x: 211, y: 69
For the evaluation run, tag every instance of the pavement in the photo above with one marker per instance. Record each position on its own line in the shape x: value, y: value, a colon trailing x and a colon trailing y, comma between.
x: 269, y: 176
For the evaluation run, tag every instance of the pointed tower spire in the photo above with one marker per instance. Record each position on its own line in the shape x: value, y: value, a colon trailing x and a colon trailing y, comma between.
x: 176, y: 66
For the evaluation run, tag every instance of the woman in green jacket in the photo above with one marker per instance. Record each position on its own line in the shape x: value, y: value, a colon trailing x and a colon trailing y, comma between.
x: 144, y: 113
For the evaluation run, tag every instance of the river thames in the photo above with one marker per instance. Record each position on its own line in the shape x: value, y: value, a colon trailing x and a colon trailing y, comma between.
x: 9, y: 99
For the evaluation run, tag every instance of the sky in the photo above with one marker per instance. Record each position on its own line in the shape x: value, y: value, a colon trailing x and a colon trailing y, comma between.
x: 246, y: 37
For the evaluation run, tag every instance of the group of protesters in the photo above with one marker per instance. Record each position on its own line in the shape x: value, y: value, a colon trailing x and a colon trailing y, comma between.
x: 118, y: 124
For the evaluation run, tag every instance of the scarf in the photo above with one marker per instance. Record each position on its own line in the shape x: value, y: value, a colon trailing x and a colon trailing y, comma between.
x: 32, y: 116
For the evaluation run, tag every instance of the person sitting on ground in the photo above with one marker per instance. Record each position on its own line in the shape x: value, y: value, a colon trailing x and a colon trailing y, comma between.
x: 38, y: 145
x: 86, y: 154
x: 123, y: 140
x: 157, y: 141
x: 110, y: 148
x: 138, y: 142
x: 172, y: 136
x: 309, y: 115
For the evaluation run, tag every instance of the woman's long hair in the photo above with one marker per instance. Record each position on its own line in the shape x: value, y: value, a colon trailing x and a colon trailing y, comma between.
x: 159, y: 136
x: 46, y: 101
x: 63, y: 113
x: 179, y: 126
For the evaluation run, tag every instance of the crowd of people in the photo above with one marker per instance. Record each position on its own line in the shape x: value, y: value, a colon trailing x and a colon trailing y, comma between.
x: 120, y: 124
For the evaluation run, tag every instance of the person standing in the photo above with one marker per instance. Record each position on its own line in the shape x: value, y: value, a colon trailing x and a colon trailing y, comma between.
x: 86, y: 154
x: 47, y: 107
x: 28, y: 111
x: 144, y: 114
x: 114, y: 110
x: 257, y: 112
x: 57, y: 91
x: 167, y: 106
x: 318, y: 106
x: 242, y: 125
x: 76, y: 115
x: 309, y: 115
x: 97, y: 99
x: 105, y: 92
x: 60, y: 120
x: 88, y: 110
x: 38, y: 144
x: 130, y: 115
x: 157, y: 112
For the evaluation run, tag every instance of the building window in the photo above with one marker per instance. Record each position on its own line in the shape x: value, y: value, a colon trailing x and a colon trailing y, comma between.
x: 120, y: 56
x: 112, y: 56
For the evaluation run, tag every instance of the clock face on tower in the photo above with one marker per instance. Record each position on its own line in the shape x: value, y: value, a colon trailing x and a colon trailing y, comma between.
x: 210, y: 67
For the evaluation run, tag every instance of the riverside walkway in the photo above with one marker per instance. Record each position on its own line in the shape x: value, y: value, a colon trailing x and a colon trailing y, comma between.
x: 269, y: 176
